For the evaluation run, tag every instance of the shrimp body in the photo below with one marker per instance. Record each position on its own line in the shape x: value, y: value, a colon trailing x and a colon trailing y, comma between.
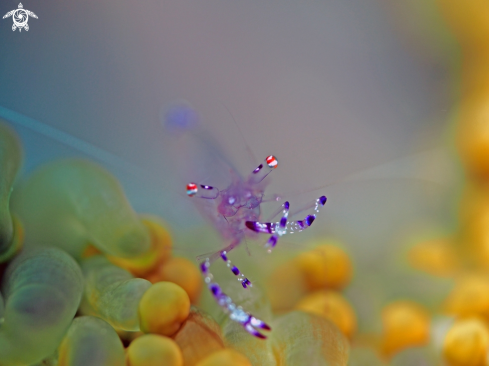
x: 229, y: 209
x: 238, y: 203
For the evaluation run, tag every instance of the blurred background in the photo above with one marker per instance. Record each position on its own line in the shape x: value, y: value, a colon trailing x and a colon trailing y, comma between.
x: 332, y: 88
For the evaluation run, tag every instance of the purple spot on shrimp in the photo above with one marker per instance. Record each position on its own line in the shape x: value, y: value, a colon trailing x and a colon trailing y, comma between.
x: 260, y: 228
x: 300, y: 223
x: 215, y: 289
x: 259, y: 323
x: 206, y: 187
x: 249, y: 328
x: 283, y: 222
x: 258, y: 169
x: 251, y: 225
x: 224, y: 257
x: 272, y: 241
x: 203, y: 267
x: 235, y: 270
x: 322, y: 200
x: 286, y: 205
x: 310, y: 219
x: 245, y: 283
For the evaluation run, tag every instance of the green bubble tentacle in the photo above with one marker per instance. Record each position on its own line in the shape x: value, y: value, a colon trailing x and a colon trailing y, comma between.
x: 42, y: 290
x: 73, y: 203
x: 112, y: 293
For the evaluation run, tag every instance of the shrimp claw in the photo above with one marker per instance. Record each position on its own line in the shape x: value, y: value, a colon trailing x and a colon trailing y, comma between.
x: 236, y: 313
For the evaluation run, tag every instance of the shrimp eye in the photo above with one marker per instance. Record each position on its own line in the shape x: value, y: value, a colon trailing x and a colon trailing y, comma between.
x: 192, y: 189
x: 271, y: 161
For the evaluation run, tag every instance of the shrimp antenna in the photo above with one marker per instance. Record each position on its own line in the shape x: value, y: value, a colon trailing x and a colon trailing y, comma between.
x: 71, y: 141
x: 357, y: 175
x: 248, y: 149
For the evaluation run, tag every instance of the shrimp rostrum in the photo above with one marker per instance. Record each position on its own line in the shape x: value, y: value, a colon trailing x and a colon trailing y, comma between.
x: 235, y: 213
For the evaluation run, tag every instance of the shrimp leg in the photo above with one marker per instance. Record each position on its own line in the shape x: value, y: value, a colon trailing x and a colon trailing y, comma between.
x: 236, y: 313
x: 284, y: 226
x: 211, y: 257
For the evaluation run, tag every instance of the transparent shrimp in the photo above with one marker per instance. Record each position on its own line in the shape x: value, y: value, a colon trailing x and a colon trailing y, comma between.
x: 235, y: 213
x: 234, y: 210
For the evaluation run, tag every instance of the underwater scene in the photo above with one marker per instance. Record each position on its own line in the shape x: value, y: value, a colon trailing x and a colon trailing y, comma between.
x: 247, y: 183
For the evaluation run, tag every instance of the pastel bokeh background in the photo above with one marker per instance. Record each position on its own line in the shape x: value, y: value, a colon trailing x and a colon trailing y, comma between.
x: 331, y: 88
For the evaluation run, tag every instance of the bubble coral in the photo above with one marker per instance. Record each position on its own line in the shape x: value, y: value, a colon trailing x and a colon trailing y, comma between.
x: 285, y: 286
x: 436, y: 257
x: 473, y: 134
x: 79, y: 207
x: 91, y: 341
x: 225, y: 357
x: 198, y: 337
x: 112, y: 293
x: 325, y: 266
x: 299, y: 336
x: 10, y: 161
x: 163, y: 308
x: 39, y: 304
x: 158, y: 253
x: 467, y: 343
x: 182, y: 272
x: 469, y: 297
x: 154, y: 350
x: 73, y: 203
x: 332, y: 306
x: 404, y: 324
